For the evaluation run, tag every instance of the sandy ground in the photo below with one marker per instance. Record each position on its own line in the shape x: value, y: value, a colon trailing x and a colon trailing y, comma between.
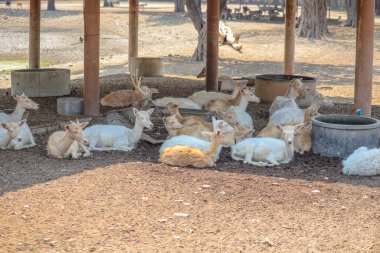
x: 127, y: 202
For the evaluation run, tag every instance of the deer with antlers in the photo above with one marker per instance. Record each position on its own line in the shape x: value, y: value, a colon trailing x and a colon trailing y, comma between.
x: 123, y: 98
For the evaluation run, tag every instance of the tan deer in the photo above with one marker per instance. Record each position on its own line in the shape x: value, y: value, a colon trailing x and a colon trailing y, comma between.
x: 184, y: 156
x: 123, y: 98
x: 71, y: 142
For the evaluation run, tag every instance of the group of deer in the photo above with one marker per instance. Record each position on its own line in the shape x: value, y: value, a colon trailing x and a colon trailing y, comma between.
x: 191, y: 140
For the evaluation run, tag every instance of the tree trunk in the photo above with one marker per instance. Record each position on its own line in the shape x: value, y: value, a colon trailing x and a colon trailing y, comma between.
x: 313, y: 20
x: 107, y: 3
x: 51, y: 5
x: 377, y: 7
x: 195, y: 14
x: 351, y: 9
x: 179, y: 6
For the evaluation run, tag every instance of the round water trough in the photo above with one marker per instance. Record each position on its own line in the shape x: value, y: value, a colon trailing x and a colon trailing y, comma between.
x: 269, y: 86
x: 41, y: 82
x: 147, y: 66
x: 337, y: 135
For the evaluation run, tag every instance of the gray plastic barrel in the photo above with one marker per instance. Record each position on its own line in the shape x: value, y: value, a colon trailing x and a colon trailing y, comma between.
x: 336, y: 135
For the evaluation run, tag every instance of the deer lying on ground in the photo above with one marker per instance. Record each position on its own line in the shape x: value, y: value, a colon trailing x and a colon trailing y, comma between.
x: 241, y: 99
x: 226, y: 36
x: 363, y: 162
x: 114, y: 137
x: 184, y: 103
x: 71, y: 142
x: 23, y: 103
x: 296, y: 89
x: 293, y: 116
x: 183, y: 156
x: 266, y: 151
x: 173, y: 108
x: 123, y: 98
x: 10, y: 137
x: 202, y: 97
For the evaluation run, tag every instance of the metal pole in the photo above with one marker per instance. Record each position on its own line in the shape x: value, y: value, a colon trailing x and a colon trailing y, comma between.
x: 91, y: 90
x: 290, y: 36
x: 34, y: 33
x: 364, y: 55
x: 133, y: 31
x: 212, y: 48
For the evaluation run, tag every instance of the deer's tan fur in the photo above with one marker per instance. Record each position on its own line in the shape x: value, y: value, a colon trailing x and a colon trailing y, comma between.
x: 174, y: 128
x: 173, y: 108
x: 138, y: 97
x: 270, y: 131
x: 302, y: 138
x: 241, y: 99
x: 23, y: 103
x: 242, y: 132
x: 71, y: 142
x: 189, y: 156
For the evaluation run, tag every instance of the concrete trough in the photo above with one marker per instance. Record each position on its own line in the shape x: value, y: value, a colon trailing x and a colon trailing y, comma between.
x: 147, y: 66
x: 49, y: 82
x: 70, y: 106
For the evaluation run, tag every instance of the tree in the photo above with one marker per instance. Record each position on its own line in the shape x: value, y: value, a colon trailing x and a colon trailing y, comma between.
x: 195, y: 14
x: 313, y: 20
x: 179, y: 6
x: 51, y: 5
x: 107, y: 3
x: 351, y: 9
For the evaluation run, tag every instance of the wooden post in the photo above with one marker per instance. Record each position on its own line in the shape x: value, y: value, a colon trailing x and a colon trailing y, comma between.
x: 212, y: 48
x: 133, y: 31
x: 290, y: 36
x: 34, y: 33
x: 364, y: 56
x: 91, y: 90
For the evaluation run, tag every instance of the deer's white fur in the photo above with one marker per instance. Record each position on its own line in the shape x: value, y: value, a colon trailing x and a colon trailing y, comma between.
x: 242, y: 117
x: 114, y: 137
x: 363, y: 162
x: 23, y: 103
x: 264, y: 151
x: 294, y: 116
x: 10, y: 135
x: 182, y: 102
x: 295, y: 89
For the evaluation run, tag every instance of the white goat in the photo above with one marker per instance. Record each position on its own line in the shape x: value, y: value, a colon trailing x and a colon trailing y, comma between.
x: 294, y: 116
x: 63, y: 144
x: 10, y: 137
x: 113, y: 137
x: 363, y: 162
x: 23, y: 103
x: 266, y: 151
x: 182, y: 102
x: 296, y: 88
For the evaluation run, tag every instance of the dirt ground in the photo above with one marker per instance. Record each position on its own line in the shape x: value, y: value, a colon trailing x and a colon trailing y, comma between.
x: 127, y: 202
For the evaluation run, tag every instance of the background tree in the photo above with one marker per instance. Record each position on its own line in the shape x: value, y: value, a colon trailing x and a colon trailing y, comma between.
x: 51, y: 5
x: 107, y: 3
x: 313, y: 20
x: 179, y: 6
x: 351, y: 9
x: 194, y: 10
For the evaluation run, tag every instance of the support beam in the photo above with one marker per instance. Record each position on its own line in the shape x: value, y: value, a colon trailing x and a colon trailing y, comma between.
x: 133, y: 31
x: 290, y: 36
x: 91, y: 89
x: 34, y: 33
x: 212, y: 48
x: 364, y: 55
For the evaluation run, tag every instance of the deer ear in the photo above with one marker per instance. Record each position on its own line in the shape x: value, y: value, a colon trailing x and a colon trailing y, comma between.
x: 67, y: 127
x: 217, y: 132
x: 150, y: 111
x: 2, y: 125
x: 164, y: 120
x: 278, y: 126
x: 84, y: 124
x: 22, y: 122
x: 135, y: 111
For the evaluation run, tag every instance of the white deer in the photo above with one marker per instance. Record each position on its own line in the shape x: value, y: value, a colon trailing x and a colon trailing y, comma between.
x: 114, y: 137
x: 265, y: 151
